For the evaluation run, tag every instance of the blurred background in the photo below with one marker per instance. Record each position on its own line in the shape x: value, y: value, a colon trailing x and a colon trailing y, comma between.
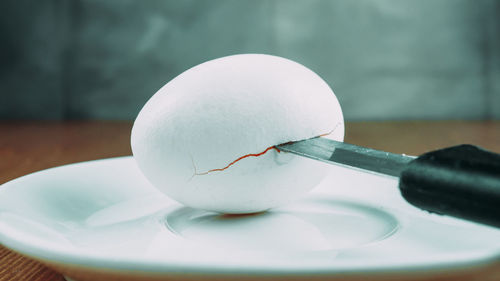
x: 385, y: 59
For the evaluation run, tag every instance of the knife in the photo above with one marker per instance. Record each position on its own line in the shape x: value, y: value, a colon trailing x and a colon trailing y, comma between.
x: 461, y: 181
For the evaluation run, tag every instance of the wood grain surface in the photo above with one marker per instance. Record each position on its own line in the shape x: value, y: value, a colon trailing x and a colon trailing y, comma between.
x: 26, y: 147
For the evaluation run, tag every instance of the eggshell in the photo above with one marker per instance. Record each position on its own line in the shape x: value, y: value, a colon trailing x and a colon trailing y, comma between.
x: 188, y: 134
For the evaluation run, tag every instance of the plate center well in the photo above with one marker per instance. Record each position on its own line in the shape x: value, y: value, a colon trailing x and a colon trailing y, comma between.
x: 309, y: 225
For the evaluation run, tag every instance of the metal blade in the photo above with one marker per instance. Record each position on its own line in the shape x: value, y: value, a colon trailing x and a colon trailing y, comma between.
x: 353, y: 156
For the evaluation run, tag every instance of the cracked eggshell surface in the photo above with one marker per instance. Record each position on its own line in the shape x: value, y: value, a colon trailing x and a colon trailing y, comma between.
x: 223, y: 109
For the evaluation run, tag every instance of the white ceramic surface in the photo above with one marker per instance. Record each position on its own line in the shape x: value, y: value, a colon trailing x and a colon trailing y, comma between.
x: 104, y: 214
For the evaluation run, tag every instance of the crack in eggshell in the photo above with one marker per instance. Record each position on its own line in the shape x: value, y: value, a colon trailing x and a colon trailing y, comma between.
x: 252, y: 155
x: 239, y: 158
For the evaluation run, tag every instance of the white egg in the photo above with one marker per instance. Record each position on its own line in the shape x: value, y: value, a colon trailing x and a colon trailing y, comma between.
x: 206, y: 138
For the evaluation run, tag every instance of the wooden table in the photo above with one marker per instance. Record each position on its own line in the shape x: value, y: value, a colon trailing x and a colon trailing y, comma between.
x: 26, y: 147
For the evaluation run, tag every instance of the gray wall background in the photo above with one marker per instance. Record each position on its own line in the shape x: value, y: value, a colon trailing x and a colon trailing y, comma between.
x: 385, y: 59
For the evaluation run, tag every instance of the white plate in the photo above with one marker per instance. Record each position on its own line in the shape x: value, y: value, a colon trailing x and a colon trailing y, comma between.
x: 98, y: 219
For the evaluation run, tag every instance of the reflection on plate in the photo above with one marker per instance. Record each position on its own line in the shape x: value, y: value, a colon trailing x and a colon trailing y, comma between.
x: 308, y: 227
x: 101, y: 219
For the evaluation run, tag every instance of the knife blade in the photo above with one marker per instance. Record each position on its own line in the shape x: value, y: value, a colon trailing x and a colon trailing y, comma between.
x: 461, y: 181
x: 353, y: 156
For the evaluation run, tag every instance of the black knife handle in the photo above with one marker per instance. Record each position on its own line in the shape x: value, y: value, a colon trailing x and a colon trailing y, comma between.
x: 461, y: 181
